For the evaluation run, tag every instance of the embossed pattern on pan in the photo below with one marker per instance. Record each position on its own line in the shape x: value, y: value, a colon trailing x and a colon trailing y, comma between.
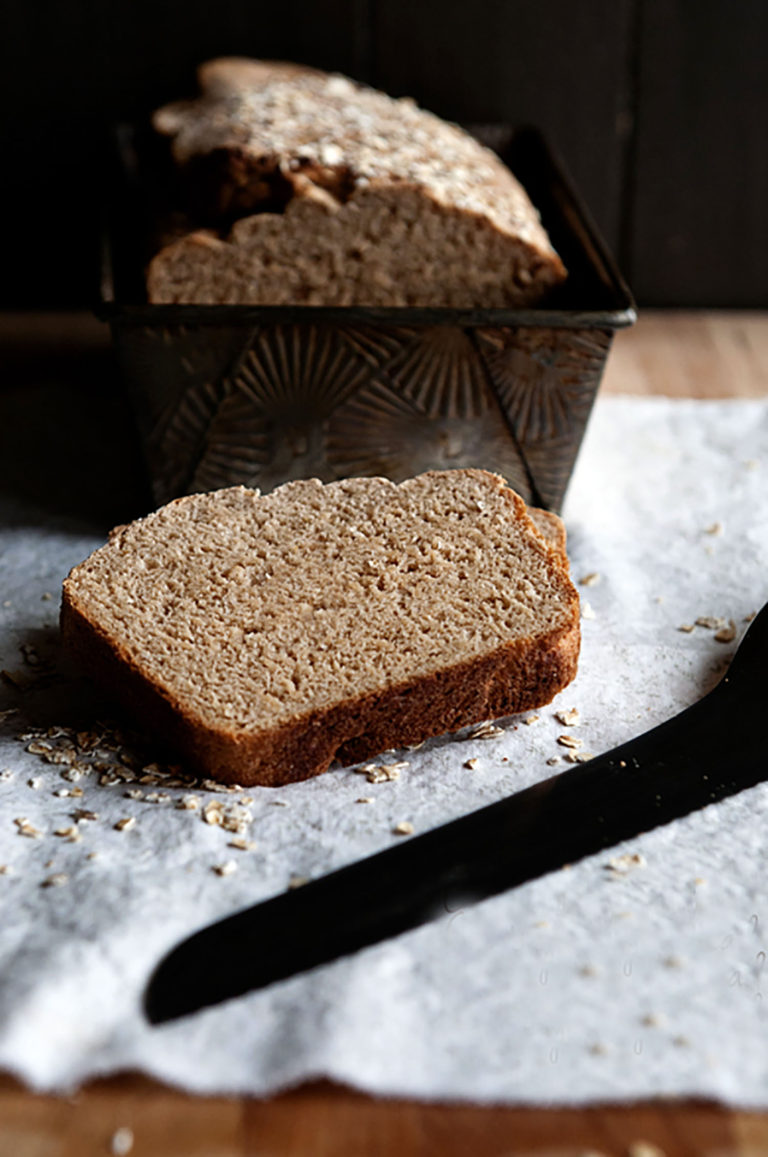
x: 260, y: 395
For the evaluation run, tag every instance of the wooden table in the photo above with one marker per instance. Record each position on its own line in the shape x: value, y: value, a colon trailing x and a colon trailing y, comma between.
x: 697, y: 355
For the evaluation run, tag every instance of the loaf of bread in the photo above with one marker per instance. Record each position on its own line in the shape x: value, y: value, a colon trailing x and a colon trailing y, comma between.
x: 320, y: 191
x: 264, y: 636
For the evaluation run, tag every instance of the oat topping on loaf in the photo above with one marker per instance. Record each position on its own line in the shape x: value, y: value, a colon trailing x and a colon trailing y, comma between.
x: 352, y: 182
x: 267, y: 635
x: 300, y: 119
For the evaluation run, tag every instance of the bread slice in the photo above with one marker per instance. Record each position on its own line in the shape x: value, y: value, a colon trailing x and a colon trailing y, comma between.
x: 321, y: 191
x: 552, y: 530
x: 263, y: 637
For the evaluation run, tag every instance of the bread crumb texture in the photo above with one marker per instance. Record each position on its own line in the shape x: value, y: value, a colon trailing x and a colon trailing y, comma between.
x: 264, y: 636
x: 327, y: 192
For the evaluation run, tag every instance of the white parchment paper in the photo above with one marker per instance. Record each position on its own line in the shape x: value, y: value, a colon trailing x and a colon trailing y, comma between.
x: 599, y: 982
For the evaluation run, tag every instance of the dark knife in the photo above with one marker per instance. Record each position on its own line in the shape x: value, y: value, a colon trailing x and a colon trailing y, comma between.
x: 708, y: 752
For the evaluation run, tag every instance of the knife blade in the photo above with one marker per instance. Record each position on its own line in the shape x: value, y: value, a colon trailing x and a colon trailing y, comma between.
x: 678, y: 767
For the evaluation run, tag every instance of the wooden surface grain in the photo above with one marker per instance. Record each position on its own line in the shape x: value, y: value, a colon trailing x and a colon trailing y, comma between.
x: 704, y: 355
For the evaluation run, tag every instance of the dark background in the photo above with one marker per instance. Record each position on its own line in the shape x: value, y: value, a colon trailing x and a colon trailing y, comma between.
x: 659, y: 108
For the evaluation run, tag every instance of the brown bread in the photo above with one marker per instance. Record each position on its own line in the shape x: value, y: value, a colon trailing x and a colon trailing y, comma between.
x: 262, y: 637
x: 327, y: 192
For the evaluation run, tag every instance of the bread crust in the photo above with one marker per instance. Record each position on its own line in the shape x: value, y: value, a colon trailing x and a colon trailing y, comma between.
x: 317, y: 190
x: 516, y: 677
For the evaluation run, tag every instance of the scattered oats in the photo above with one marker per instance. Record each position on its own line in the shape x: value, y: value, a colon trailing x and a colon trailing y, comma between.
x: 92, y: 856
x: 5, y: 775
x: 588, y: 970
x: 715, y: 528
x: 279, y: 803
x: 246, y: 800
x: 569, y: 717
x: 404, y: 828
x: 726, y: 634
x: 711, y: 622
x: 82, y: 813
x: 48, y: 864
x: 365, y: 799
x: 134, y: 793
x: 6, y: 870
x: 570, y: 741
x: 73, y: 774
x: 415, y: 746
x: 472, y: 763
x: 553, y: 759
x: 699, y: 881
x: 26, y: 828
x: 236, y: 819
x: 578, y: 756
x: 298, y: 881
x: 211, y: 813
x: 121, y: 1143
x: 228, y: 868
x: 381, y: 773
x: 644, y: 1149
x: 622, y: 865
x: 188, y: 803
x: 35, y: 783
x: 591, y: 579
x: 39, y: 747
x: 55, y: 881
x: 687, y: 627
x: 68, y: 756
x: 126, y: 824
x: 586, y: 610
x: 46, y: 596
x: 71, y: 833
x: 105, y: 780
x: 752, y: 615
x: 529, y: 719
x: 485, y: 731
x: 672, y: 962
x: 242, y: 844
x: 157, y: 797
x: 652, y: 1020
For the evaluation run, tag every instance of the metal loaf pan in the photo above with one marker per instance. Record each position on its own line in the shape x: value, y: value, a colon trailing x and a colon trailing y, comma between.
x: 259, y: 395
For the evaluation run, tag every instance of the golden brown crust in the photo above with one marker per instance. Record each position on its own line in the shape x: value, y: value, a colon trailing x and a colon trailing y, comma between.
x: 552, y: 529
x: 513, y: 679
x: 508, y: 678
x: 322, y: 191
